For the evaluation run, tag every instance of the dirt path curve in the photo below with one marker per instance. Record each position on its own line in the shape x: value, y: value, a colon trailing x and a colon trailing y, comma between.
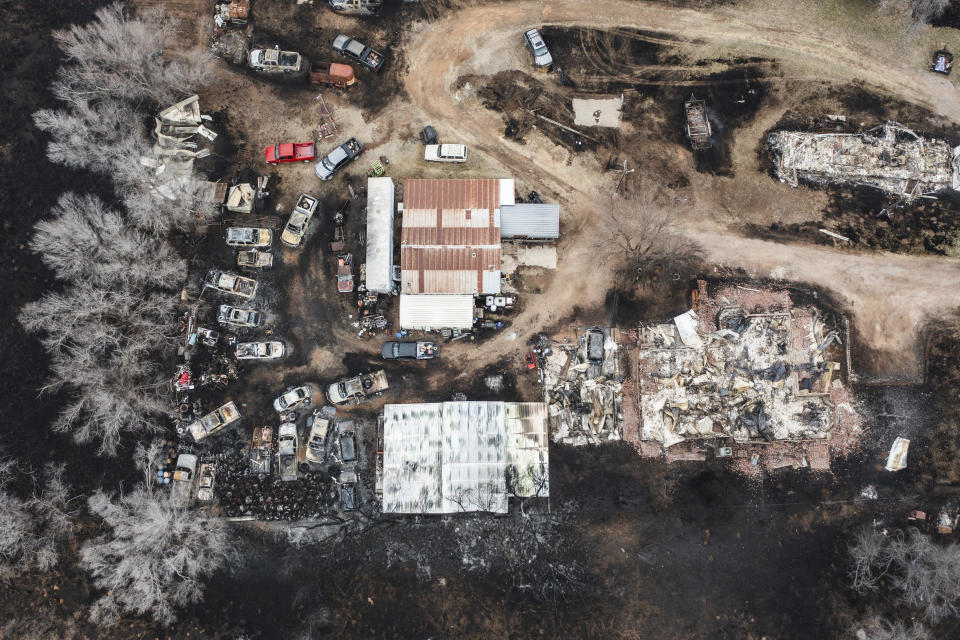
x: 891, y: 296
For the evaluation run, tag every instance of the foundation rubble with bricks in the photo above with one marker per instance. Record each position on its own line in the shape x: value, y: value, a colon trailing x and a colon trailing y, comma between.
x: 747, y: 374
x: 582, y: 383
x: 889, y: 157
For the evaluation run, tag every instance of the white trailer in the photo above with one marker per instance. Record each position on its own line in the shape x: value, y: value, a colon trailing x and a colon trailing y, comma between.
x: 380, y: 207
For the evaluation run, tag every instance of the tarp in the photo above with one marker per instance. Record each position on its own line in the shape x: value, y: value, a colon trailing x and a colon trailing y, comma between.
x: 380, y: 194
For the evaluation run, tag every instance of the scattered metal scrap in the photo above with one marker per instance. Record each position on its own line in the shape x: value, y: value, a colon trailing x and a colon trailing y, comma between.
x: 889, y: 157
x: 582, y: 386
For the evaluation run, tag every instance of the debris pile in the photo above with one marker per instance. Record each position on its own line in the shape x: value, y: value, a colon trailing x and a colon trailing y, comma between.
x: 889, y: 157
x: 582, y: 386
x: 746, y: 368
x: 243, y: 492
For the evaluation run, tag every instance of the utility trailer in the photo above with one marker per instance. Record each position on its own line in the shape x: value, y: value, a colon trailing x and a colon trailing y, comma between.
x: 698, y: 125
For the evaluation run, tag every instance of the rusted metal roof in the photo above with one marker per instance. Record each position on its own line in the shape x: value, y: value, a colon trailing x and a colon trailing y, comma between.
x: 451, y: 235
x: 447, y: 269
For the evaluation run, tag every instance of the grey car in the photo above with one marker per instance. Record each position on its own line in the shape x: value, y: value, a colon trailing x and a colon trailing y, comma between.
x: 541, y: 55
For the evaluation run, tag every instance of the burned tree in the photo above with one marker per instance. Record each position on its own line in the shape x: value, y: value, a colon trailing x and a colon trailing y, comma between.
x: 32, y: 530
x: 156, y: 553
x: 924, y: 575
x: 85, y: 240
x: 124, y: 57
x: 647, y: 242
x: 103, y: 345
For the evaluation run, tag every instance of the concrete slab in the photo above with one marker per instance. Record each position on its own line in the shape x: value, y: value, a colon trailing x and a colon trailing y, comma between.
x: 597, y: 112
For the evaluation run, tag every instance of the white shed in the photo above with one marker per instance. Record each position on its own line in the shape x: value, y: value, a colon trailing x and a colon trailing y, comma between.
x: 380, y: 193
x: 426, y: 311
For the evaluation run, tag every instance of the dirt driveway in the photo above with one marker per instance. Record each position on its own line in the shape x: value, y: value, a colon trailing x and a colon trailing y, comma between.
x: 890, y: 297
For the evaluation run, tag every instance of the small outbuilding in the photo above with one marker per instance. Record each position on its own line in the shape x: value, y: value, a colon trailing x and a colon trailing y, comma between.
x: 429, y: 312
x: 530, y: 221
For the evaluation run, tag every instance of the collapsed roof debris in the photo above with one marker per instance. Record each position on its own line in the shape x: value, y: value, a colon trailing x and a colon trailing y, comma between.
x: 582, y: 384
x: 747, y: 367
x: 889, y: 157
x: 176, y: 148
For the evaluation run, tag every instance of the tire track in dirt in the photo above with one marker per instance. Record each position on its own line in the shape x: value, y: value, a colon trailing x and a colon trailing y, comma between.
x: 891, y: 297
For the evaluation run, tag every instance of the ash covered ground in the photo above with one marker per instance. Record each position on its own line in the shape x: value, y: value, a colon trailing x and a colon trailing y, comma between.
x: 683, y: 549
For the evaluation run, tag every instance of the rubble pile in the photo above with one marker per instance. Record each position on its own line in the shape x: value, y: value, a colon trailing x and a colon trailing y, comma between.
x: 582, y: 386
x: 747, y: 367
x: 890, y: 157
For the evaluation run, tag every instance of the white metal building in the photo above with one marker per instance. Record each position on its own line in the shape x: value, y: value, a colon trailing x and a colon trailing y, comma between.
x: 427, y: 312
x: 463, y: 456
x: 530, y: 221
x: 380, y: 194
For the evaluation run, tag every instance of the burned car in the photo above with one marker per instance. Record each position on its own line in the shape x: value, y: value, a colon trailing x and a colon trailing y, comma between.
x: 297, y: 224
x: 293, y: 398
x: 231, y: 283
x: 254, y: 259
x: 260, y: 350
x: 214, y: 421
x: 239, y: 317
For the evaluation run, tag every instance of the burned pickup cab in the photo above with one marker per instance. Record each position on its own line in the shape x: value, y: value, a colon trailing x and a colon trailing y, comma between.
x: 296, y: 226
x: 358, y: 388
x: 287, y: 446
x: 276, y: 61
x: 261, y: 450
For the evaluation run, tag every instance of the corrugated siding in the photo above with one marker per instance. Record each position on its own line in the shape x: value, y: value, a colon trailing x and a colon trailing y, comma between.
x: 530, y: 220
x: 427, y: 312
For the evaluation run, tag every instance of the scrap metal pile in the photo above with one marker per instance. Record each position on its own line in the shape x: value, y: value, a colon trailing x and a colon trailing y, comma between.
x: 746, y: 367
x: 889, y: 157
x: 582, y: 386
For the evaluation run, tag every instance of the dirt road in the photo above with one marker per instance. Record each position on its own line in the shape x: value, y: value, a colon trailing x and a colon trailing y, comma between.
x: 891, y: 297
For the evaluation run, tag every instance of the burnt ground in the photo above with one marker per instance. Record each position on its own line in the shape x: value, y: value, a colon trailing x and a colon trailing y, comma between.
x: 684, y: 550
x: 869, y: 217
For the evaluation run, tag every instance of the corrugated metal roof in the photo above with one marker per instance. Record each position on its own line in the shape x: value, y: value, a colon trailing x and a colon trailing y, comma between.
x: 457, y: 456
x: 530, y: 220
x: 452, y: 226
x: 379, y: 269
x: 427, y: 312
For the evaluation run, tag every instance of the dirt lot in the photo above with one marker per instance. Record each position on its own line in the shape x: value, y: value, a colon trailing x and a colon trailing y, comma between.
x: 687, y: 550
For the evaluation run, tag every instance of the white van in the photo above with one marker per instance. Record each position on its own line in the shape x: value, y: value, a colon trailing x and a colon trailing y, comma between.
x: 445, y: 153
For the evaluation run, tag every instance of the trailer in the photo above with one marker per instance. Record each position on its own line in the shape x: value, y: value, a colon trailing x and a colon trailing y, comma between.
x: 698, y: 127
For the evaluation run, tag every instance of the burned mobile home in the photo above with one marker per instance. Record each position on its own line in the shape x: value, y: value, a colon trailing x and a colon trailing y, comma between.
x: 890, y: 157
x: 450, y: 457
x: 746, y: 373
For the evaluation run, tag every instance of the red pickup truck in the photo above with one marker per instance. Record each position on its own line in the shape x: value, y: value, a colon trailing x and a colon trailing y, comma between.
x: 291, y: 152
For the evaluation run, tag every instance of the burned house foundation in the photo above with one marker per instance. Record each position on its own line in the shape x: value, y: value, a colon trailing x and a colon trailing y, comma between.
x: 748, y: 374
